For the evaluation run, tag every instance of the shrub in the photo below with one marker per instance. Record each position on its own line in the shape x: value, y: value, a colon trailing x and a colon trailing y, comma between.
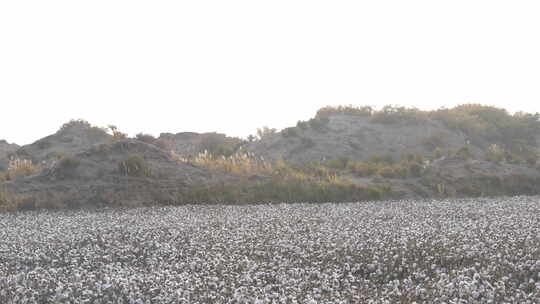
x: 438, y: 153
x: 363, y: 168
x: 265, y: 132
x: 464, y: 153
x: 363, y: 111
x: 67, y: 166
x: 147, y: 138
x: 134, y: 166
x: 76, y: 123
x: 495, y: 154
x: 116, y: 134
x: 410, y: 166
x: 394, y: 114
x: 218, y: 145
x: 83, y: 124
x: 532, y: 161
x: 289, y: 132
x: 387, y: 172
x: 412, y: 157
x: 339, y: 163
x: 435, y: 141
x: 304, y: 125
x: 415, y: 169
x: 319, y: 123
x: 378, y: 158
x: 307, y: 143
x: 513, y: 158
x: 492, y: 124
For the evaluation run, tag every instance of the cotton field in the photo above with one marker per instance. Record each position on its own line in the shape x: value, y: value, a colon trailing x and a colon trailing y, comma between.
x: 455, y: 251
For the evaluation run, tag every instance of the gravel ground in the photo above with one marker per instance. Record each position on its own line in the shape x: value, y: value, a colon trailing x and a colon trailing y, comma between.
x: 454, y: 251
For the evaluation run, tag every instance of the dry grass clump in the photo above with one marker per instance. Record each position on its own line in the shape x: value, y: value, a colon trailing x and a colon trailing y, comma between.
x: 19, y: 168
x: 411, y: 165
x: 243, y: 163
x: 276, y: 182
x: 117, y: 134
x: 134, y: 165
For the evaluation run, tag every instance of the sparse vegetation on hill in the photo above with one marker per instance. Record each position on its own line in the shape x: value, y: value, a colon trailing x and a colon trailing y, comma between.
x: 481, y: 123
x: 344, y: 153
x: 280, y: 182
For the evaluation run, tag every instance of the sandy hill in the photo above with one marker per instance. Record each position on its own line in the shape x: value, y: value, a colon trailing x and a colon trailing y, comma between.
x: 72, y: 138
x: 125, y: 172
x: 358, y: 139
x: 342, y: 154
x: 358, y: 134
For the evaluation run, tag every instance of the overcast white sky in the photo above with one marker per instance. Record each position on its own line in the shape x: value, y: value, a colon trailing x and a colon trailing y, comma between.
x: 233, y: 66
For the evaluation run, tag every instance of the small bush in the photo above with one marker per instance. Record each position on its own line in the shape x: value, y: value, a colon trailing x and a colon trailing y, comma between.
x: 415, y: 169
x: 495, y: 154
x: 303, y: 125
x: 393, y: 114
x: 438, y: 153
x: 435, y: 141
x: 289, y: 132
x: 147, y: 138
x: 380, y: 158
x: 76, y: 123
x: 409, y: 167
x: 464, y: 153
x: 116, y: 134
x: 363, y: 111
x: 363, y: 168
x: 218, y: 145
x: 387, y: 172
x: 319, y: 124
x: 339, y: 163
x: 92, y: 131
x: 134, y: 166
x: 265, y: 132
x: 307, y: 143
x: 513, y: 158
x: 67, y: 166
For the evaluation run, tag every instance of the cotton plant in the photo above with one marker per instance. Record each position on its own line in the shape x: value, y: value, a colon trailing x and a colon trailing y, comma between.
x: 450, y: 251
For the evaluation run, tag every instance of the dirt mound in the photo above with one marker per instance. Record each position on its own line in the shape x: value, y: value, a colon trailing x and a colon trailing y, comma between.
x: 358, y: 138
x: 127, y: 172
x: 72, y: 138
